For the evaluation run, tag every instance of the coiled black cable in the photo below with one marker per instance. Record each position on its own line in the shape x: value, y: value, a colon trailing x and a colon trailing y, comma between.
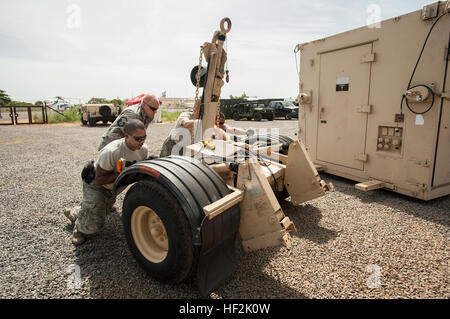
x: 414, y: 71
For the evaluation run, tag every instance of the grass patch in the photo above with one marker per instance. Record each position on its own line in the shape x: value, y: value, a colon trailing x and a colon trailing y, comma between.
x: 167, y: 116
x: 70, y: 115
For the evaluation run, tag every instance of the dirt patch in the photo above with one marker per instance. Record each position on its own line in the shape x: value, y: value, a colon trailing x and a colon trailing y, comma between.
x: 9, y: 142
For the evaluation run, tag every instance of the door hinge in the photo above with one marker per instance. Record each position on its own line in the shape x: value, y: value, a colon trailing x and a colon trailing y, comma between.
x: 361, y: 157
x: 364, y: 108
x: 366, y: 58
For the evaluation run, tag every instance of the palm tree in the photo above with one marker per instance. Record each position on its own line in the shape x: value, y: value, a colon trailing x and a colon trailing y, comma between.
x: 4, y: 98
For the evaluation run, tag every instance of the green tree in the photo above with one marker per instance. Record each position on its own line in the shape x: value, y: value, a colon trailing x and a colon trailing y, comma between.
x: 20, y: 103
x: 38, y: 103
x: 4, y: 98
x: 117, y: 101
x: 97, y: 100
x: 243, y: 96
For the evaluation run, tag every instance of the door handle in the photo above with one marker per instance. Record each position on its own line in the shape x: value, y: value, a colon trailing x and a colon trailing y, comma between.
x: 321, y: 113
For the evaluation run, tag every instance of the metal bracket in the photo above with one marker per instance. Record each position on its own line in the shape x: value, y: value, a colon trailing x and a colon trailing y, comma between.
x: 430, y: 11
x: 214, y: 209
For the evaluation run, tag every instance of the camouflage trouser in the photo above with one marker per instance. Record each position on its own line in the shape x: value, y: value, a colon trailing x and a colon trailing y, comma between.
x: 108, y: 139
x: 166, y: 149
x: 97, y: 202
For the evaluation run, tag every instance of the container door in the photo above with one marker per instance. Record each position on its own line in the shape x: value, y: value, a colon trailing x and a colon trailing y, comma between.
x: 441, y: 174
x: 343, y: 106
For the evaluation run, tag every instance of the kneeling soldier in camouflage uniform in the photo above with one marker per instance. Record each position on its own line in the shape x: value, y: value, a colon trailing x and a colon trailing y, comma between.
x: 144, y: 112
x: 98, y: 197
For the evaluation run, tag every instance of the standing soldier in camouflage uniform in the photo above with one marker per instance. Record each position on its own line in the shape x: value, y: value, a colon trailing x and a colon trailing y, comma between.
x: 144, y: 111
x: 98, y: 197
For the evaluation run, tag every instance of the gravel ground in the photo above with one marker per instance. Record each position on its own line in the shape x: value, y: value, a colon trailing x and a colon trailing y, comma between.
x: 349, y: 244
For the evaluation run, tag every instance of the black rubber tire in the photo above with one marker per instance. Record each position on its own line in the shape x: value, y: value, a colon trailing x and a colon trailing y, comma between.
x: 257, y: 116
x: 182, y: 255
x: 270, y: 139
x: 91, y: 121
x: 288, y: 116
x: 105, y: 111
x: 282, y: 195
x: 236, y: 116
x: 83, y: 122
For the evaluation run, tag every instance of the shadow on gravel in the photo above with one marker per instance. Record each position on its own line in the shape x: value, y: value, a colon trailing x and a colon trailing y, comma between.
x: 306, y: 219
x: 435, y: 211
x: 260, y: 280
x: 264, y: 281
x: 111, y: 271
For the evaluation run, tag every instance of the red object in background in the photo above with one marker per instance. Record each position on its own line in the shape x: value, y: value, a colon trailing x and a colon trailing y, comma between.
x: 135, y: 100
x: 138, y: 99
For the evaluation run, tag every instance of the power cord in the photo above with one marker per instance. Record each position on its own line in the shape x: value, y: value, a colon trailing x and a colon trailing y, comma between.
x: 414, y: 71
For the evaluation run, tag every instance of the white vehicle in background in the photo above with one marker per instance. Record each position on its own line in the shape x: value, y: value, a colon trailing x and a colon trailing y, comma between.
x: 58, y: 104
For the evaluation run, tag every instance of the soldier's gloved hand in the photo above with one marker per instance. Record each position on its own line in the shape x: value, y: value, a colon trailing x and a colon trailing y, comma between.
x: 128, y: 163
x: 250, y: 132
x: 88, y: 172
x: 151, y: 157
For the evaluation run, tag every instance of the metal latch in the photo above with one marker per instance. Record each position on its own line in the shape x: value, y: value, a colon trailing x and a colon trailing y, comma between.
x: 445, y: 95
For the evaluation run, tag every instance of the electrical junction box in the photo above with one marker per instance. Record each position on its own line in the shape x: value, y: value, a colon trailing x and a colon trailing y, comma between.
x: 351, y: 87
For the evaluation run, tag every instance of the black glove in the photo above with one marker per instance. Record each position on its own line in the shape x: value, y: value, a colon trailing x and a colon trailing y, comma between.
x: 128, y: 163
x: 88, y: 172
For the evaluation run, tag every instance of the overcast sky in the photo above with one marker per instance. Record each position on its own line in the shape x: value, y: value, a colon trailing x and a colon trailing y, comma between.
x: 83, y: 49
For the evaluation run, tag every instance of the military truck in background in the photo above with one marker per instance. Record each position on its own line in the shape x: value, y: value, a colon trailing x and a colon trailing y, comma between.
x: 92, y: 113
x: 227, y: 105
x: 285, y: 109
x: 252, y: 110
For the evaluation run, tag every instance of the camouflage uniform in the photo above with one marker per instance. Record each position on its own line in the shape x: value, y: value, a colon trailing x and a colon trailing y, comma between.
x: 115, y: 131
x: 98, y: 200
x: 169, y: 143
x: 166, y: 149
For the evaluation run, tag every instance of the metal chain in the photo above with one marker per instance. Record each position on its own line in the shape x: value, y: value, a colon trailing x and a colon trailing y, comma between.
x: 196, y: 101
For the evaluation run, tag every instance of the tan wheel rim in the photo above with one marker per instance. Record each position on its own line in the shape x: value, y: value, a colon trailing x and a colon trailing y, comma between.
x: 149, y: 234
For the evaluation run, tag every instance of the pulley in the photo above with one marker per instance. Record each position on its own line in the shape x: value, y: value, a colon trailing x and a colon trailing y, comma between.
x: 203, y: 76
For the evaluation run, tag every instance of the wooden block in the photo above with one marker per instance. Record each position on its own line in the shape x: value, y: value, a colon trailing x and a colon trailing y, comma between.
x: 370, y: 185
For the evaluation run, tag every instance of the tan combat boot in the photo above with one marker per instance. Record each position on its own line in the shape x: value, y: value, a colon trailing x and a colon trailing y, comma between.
x: 69, y: 213
x: 78, y: 237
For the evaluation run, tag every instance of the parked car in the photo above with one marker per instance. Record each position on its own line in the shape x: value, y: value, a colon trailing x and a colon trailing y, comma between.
x: 249, y: 110
x: 284, y: 109
x: 92, y: 113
